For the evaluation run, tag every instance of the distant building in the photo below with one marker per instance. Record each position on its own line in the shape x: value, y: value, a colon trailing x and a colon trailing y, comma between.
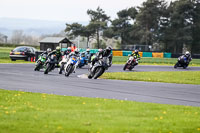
x: 53, y: 42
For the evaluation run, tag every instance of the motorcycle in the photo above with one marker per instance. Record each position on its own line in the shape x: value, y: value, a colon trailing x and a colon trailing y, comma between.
x: 40, y: 62
x: 50, y: 63
x: 99, y: 68
x: 182, y: 62
x: 83, y: 60
x: 62, y: 63
x: 71, y: 65
x: 131, y: 63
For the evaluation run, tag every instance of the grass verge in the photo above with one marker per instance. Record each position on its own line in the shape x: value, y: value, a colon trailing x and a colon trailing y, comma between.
x: 167, y: 77
x: 22, y: 112
x: 153, y: 61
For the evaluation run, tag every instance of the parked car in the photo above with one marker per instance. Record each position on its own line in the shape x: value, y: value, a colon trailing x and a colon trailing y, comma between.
x: 22, y: 53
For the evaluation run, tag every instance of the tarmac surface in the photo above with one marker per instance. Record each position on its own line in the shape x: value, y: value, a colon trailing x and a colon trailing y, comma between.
x: 22, y: 77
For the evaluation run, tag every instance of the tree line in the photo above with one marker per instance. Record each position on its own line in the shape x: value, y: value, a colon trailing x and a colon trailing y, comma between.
x: 171, y: 25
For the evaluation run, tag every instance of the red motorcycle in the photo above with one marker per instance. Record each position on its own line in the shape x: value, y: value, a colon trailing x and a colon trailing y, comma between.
x: 131, y: 63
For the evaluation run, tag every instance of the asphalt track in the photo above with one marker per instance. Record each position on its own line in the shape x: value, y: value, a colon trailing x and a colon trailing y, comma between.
x: 22, y: 77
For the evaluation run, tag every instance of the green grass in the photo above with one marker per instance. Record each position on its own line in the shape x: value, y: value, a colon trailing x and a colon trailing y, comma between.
x: 22, y: 112
x: 153, y: 61
x: 192, y: 77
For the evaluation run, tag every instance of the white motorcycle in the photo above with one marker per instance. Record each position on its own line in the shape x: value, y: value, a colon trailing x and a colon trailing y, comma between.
x: 62, y: 63
x: 71, y: 65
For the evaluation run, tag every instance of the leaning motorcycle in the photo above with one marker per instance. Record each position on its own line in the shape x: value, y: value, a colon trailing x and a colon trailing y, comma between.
x: 182, y: 62
x: 50, y: 63
x: 62, y: 63
x: 40, y: 62
x: 99, y: 68
x: 131, y: 63
x: 71, y: 65
x: 83, y: 60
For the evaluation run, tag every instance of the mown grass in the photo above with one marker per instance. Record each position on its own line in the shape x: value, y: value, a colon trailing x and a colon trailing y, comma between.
x: 22, y: 112
x: 167, y: 77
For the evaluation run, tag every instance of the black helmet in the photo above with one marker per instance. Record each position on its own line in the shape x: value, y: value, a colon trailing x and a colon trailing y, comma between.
x: 136, y: 51
x: 108, y: 50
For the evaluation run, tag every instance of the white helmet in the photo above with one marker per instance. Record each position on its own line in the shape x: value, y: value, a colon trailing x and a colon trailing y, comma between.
x: 187, y: 52
x: 48, y: 50
x: 76, y: 51
x: 88, y: 50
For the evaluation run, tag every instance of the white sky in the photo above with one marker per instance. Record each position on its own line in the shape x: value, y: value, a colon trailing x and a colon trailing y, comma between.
x: 62, y: 10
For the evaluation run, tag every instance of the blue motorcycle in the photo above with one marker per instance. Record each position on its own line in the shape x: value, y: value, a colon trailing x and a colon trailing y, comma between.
x: 83, y: 60
x: 71, y: 65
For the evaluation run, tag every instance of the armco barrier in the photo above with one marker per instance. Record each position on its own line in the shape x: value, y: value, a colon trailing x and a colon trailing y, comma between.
x: 167, y: 55
x: 117, y: 53
x: 147, y: 54
x: 93, y: 51
x: 126, y: 53
x: 157, y: 55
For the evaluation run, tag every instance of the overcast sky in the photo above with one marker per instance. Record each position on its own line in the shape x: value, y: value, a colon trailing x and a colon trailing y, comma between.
x: 62, y: 10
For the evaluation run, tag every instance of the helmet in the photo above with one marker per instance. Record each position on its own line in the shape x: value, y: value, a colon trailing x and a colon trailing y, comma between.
x: 48, y: 50
x: 136, y: 51
x: 76, y: 51
x: 57, y: 48
x: 88, y: 50
x: 187, y: 53
x: 69, y: 49
x: 100, y: 50
x: 108, y: 50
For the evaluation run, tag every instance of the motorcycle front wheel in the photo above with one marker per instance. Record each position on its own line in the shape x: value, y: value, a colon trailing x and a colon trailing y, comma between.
x: 37, y: 67
x: 176, y: 65
x: 47, y: 68
x: 125, y: 66
x: 99, y: 71
x: 68, y: 70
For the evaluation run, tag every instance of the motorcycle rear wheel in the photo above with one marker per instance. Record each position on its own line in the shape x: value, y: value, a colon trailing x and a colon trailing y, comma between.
x: 61, y: 68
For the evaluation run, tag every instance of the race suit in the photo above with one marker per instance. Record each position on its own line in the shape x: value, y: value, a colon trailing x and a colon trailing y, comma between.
x: 100, y: 55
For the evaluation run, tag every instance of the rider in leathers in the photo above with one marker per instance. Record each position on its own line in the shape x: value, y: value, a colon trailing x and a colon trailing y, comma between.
x: 58, y: 54
x: 76, y: 54
x: 136, y: 53
x: 103, y: 53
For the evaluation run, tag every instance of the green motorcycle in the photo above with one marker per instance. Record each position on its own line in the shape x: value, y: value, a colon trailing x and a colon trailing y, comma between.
x: 40, y: 62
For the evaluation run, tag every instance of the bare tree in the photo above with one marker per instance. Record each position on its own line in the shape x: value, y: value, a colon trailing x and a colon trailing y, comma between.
x: 17, y: 37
